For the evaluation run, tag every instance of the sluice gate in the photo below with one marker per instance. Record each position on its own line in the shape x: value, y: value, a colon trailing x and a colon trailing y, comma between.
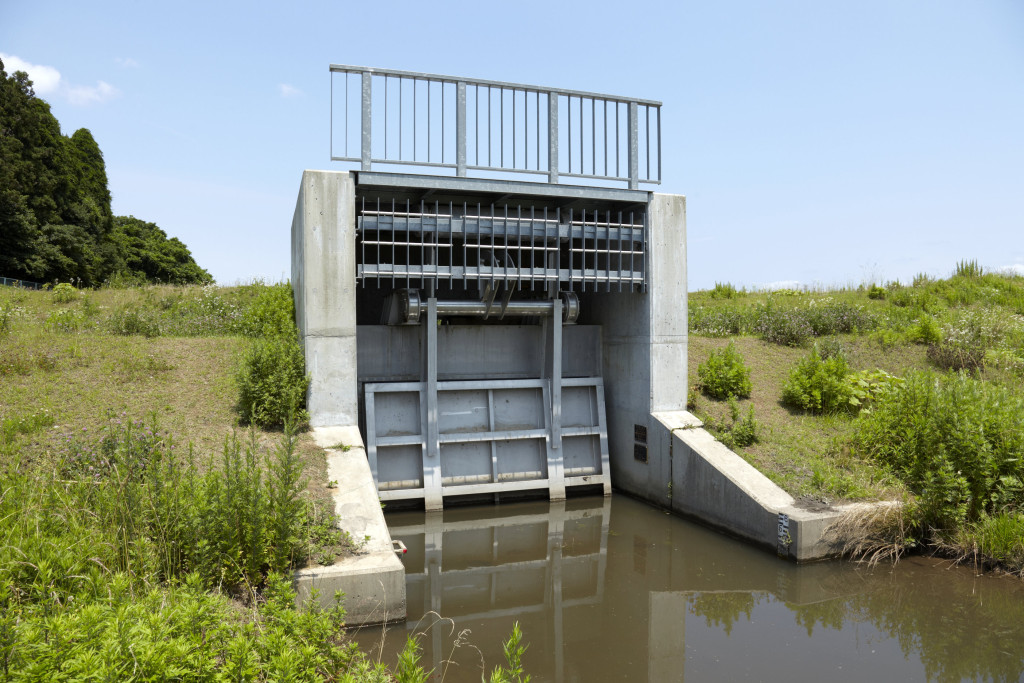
x: 491, y: 336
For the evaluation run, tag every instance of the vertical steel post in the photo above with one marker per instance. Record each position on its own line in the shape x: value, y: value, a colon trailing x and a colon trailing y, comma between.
x: 634, y: 147
x: 367, y: 119
x: 556, y: 460
x: 552, y: 137
x: 460, y: 129
x: 432, y: 496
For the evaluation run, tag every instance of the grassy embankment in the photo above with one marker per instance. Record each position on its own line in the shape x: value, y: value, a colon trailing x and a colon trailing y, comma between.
x: 897, y: 391
x: 142, y: 534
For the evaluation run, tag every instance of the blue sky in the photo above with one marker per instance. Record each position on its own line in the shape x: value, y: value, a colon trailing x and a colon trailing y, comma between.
x: 817, y: 143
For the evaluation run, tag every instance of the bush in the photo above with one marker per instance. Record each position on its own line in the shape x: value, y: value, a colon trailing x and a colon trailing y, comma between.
x: 718, y: 322
x: 65, y: 320
x: 272, y: 382
x: 819, y: 386
x: 64, y: 293
x: 965, y: 341
x: 955, y: 441
x: 271, y: 313
x: 741, y: 432
x: 786, y: 327
x: 876, y: 292
x: 925, y: 331
x: 836, y: 317
x: 724, y: 374
x: 723, y: 290
x: 868, y: 385
x: 132, y: 321
x: 745, y: 429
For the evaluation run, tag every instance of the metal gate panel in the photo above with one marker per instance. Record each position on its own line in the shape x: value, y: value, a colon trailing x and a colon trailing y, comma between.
x: 493, y: 436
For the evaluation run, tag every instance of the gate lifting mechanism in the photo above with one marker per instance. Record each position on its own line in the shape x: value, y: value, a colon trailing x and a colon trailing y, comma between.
x: 406, y: 306
x: 492, y: 435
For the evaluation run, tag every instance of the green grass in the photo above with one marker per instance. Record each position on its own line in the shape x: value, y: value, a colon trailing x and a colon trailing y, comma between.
x: 972, y: 322
x: 143, y: 535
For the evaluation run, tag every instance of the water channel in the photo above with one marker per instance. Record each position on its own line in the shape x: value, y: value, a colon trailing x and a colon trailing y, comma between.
x: 609, y: 589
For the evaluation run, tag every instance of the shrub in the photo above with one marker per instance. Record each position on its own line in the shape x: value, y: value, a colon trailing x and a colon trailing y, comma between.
x: 724, y: 291
x: 876, y: 292
x: 65, y: 320
x: 836, y: 317
x: 925, y: 331
x: 868, y: 385
x: 724, y: 374
x: 131, y: 321
x: 718, y: 322
x: 272, y: 381
x: 955, y: 441
x: 819, y: 386
x: 965, y: 341
x: 232, y: 523
x: 64, y: 293
x: 271, y: 313
x: 830, y: 347
x: 745, y: 429
x: 786, y: 327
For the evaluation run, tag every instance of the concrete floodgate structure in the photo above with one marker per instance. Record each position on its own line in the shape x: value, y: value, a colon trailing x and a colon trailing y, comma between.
x: 474, y: 339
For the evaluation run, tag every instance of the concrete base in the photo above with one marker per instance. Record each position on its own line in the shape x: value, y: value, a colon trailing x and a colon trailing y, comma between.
x: 714, y: 485
x: 374, y: 580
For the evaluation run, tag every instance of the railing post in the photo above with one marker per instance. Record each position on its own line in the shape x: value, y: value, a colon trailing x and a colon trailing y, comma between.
x: 367, y: 120
x: 460, y: 129
x: 634, y: 147
x: 552, y: 137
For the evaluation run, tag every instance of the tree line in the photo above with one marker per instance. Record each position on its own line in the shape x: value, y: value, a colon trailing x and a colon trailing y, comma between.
x: 56, y: 223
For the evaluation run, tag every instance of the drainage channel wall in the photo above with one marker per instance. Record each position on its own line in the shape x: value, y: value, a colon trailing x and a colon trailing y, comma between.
x: 373, y: 580
x: 712, y: 484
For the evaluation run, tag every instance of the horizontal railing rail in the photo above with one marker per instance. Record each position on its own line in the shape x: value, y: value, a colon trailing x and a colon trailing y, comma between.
x: 416, y: 119
x: 15, y: 282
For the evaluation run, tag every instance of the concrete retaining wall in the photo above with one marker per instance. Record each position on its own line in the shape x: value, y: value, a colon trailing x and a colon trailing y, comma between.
x: 373, y: 580
x: 712, y: 484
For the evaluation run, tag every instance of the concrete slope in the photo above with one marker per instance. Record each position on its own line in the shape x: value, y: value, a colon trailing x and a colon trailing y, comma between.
x: 714, y: 485
x: 374, y: 579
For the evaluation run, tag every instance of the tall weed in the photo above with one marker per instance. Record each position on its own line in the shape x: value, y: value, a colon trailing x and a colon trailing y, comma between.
x: 819, y: 385
x: 955, y: 441
x: 725, y: 374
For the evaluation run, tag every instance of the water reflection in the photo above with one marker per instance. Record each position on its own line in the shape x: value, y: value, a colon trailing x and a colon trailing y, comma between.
x: 611, y: 589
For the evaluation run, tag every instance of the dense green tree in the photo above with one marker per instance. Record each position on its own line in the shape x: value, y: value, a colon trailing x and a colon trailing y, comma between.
x: 56, y: 221
x: 144, y: 250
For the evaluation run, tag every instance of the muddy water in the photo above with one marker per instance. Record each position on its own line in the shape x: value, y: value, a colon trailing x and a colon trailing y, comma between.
x: 612, y: 589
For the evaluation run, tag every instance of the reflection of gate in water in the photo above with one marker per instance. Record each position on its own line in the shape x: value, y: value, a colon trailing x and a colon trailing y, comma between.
x: 486, y: 565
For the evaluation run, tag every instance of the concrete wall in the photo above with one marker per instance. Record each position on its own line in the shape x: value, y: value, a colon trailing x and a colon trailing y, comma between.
x: 373, y: 579
x: 712, y: 484
x: 324, y: 281
x: 644, y: 353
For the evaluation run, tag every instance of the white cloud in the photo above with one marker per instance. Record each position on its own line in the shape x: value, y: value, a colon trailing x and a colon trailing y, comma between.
x: 127, y: 62
x: 86, y: 94
x: 288, y: 90
x: 47, y: 81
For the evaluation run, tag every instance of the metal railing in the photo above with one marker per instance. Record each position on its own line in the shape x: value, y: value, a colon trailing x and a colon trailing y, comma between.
x: 14, y: 282
x: 475, y: 125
